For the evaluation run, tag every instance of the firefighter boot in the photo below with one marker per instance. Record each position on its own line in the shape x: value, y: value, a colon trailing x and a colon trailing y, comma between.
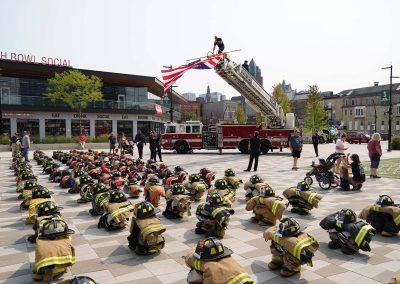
x: 286, y: 272
x: 348, y: 251
x: 275, y: 263
x: 334, y: 245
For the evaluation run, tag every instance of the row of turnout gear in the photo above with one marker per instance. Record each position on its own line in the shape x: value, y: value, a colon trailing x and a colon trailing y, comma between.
x: 153, y: 191
x: 146, y: 230
x: 232, y: 179
x: 290, y: 247
x: 178, y: 203
x: 266, y: 207
x: 195, y: 186
x: 302, y: 199
x: 116, y: 211
x: 213, y: 217
x: 228, y: 194
x: 347, y: 233
x: 254, y: 186
x: 211, y: 263
x: 384, y: 216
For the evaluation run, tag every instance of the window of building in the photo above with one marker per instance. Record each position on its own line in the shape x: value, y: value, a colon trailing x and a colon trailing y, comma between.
x: 350, y: 125
x: 54, y: 127
x: 126, y: 127
x: 102, y: 127
x: 158, y: 127
x: 31, y: 125
x: 6, y: 126
x: 366, y: 101
x: 85, y: 124
x: 351, y: 112
x: 398, y: 109
x: 359, y: 111
x: 345, y: 112
x: 346, y: 102
x: 382, y: 125
x: 398, y: 125
x: 352, y: 102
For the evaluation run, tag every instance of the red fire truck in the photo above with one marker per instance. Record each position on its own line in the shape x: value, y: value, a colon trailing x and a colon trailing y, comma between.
x: 184, y: 137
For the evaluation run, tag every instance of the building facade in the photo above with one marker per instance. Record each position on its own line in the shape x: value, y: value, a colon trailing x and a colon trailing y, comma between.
x: 130, y: 102
x: 255, y: 71
x: 212, y: 112
x: 189, y: 96
x: 192, y: 106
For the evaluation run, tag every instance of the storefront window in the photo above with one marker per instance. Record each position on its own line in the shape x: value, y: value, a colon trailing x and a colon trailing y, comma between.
x: 75, y: 131
x: 54, y: 127
x: 31, y: 125
x: 6, y: 126
x: 102, y: 127
x: 147, y: 126
x: 126, y: 127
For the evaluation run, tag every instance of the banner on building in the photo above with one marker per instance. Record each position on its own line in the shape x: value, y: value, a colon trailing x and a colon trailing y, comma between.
x: 158, y: 109
x: 385, y: 98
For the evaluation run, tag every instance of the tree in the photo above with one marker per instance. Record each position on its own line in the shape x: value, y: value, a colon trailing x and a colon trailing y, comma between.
x: 261, y: 120
x: 76, y: 89
x: 240, y: 115
x: 281, y: 98
x: 315, y: 116
x: 188, y: 115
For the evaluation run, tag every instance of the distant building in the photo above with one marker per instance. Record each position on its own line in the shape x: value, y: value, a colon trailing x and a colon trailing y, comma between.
x: 255, y: 71
x: 222, y: 110
x: 192, y: 106
x: 212, y: 96
x: 189, y: 96
x: 250, y: 112
x: 287, y: 89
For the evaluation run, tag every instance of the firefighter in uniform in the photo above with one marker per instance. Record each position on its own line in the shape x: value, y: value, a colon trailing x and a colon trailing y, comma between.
x: 39, y: 195
x: 153, y: 191
x: 228, y: 194
x: 233, y: 180
x: 253, y: 186
x: 347, y: 233
x: 45, y: 211
x: 178, y: 203
x: 302, y: 198
x: 267, y: 207
x: 384, y: 216
x: 213, y: 217
x: 290, y: 247
x: 195, y: 186
x: 54, y: 251
x: 207, y: 176
x: 116, y: 212
x: 99, y: 199
x: 211, y: 263
x: 131, y: 187
x: 146, y: 230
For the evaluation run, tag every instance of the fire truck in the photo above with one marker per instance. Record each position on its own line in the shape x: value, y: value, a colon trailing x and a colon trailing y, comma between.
x: 185, y: 137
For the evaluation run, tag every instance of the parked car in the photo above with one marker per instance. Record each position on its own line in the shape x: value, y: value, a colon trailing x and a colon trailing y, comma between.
x: 385, y: 136
x: 358, y: 137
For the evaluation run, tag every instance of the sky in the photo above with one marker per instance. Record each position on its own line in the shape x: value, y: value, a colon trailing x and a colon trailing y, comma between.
x: 338, y: 44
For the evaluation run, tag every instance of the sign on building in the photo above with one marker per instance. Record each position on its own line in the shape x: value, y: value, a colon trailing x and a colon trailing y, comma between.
x: 385, y: 97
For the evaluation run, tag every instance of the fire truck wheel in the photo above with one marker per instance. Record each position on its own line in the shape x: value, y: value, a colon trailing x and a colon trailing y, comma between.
x: 265, y: 146
x: 244, y: 146
x: 181, y: 147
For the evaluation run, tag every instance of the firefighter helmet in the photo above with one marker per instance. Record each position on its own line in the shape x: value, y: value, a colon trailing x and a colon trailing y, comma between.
x: 132, y: 181
x: 346, y: 216
x: 47, y: 208
x: 82, y: 280
x: 178, y: 188
x: 139, y: 161
x: 211, y: 249
x: 178, y: 169
x: 30, y: 184
x: 221, y: 184
x: 154, y: 180
x: 149, y: 171
x: 117, y: 175
x: 255, y: 179
x: 302, y: 186
x: 151, y: 161
x: 215, y: 199
x: 194, y: 178
x: 288, y: 227
x: 267, y: 191
x: 79, y: 173
x: 384, y: 200
x: 117, y: 195
x: 27, y: 175
x: 54, y: 228
x: 204, y: 171
x: 99, y: 188
x: 163, y: 165
x: 86, y: 192
x: 40, y: 192
x: 86, y: 179
x: 168, y: 173
x: 230, y: 173
x: 145, y: 210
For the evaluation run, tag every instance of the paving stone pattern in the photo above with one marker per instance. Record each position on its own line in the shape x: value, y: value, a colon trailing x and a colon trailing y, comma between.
x: 105, y: 256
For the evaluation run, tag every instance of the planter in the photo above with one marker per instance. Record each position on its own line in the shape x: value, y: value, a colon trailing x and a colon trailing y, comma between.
x: 66, y: 146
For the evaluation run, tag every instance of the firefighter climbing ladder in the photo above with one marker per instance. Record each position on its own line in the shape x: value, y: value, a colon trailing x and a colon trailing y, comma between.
x: 260, y: 100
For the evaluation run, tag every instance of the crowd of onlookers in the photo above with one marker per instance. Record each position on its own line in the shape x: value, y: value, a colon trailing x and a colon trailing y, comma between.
x: 21, y: 143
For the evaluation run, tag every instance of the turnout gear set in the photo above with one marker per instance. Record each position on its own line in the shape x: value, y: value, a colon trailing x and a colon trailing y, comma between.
x: 253, y: 186
x: 384, y: 216
x: 207, y: 176
x: 195, y: 186
x: 131, y: 188
x: 290, y: 247
x: 347, y: 233
x: 233, y: 181
x: 211, y: 263
x: 221, y: 187
x: 86, y: 193
x: 267, y: 207
x: 39, y: 195
x: 178, y: 203
x: 302, y: 198
x: 146, y: 230
x: 99, y: 199
x: 153, y: 191
x: 116, y: 211
x: 213, y: 217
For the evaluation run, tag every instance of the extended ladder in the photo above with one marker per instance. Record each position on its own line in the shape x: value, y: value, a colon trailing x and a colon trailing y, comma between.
x: 260, y: 100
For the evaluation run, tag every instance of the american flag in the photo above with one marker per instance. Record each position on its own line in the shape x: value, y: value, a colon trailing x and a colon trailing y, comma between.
x: 170, y: 76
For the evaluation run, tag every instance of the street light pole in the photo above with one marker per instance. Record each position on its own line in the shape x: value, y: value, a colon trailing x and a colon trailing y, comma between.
x: 171, y: 107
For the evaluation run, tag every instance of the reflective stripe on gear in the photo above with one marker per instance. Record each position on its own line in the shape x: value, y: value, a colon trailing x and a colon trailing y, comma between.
x: 121, y: 210
x: 241, y: 278
x: 60, y: 260
x: 197, y: 264
x: 217, y: 210
x: 301, y: 245
x: 151, y: 229
x: 397, y: 220
x: 276, y: 204
x: 311, y: 197
x: 361, y: 234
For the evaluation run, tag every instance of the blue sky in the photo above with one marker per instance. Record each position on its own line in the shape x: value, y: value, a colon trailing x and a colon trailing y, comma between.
x: 335, y: 44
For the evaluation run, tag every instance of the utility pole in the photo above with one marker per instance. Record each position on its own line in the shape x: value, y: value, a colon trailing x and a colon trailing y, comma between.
x: 390, y: 107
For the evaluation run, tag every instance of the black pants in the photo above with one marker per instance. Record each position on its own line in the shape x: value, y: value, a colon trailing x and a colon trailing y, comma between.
x: 159, y: 154
x: 153, y: 154
x: 316, y: 149
x: 140, y: 149
x: 253, y: 156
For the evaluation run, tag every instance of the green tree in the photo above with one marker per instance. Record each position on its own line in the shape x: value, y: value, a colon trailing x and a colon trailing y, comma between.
x: 261, y: 120
x: 189, y: 115
x: 315, y: 116
x: 281, y: 98
x: 240, y: 115
x: 76, y: 89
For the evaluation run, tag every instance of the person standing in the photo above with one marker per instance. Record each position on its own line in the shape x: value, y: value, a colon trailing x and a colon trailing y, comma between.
x: 246, y: 65
x: 113, y: 141
x: 254, y: 147
x: 315, y: 138
x: 296, y: 146
x: 153, y: 146
x: 375, y: 153
x: 158, y: 147
x: 15, y: 143
x: 82, y: 140
x: 140, y: 142
x: 122, y: 142
x: 219, y: 43
x: 25, y: 145
x: 340, y: 148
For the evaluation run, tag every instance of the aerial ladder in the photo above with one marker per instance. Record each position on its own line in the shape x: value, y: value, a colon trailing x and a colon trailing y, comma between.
x: 259, y: 99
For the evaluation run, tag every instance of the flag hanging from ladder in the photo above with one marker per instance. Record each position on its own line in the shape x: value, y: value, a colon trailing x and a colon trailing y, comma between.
x: 170, y: 76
